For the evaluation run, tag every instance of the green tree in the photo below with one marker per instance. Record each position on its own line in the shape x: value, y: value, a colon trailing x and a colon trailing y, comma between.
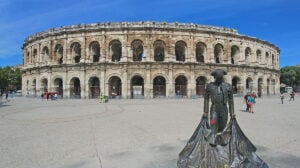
x: 290, y: 75
x: 10, y: 79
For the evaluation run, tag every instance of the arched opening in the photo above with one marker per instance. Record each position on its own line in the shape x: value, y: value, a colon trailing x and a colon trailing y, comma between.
x: 248, y: 53
x: 76, y: 52
x: 137, y: 50
x: 268, y: 87
x: 180, y: 51
x: 181, y: 86
x: 249, y: 84
x: 137, y: 87
x: 95, y: 51
x: 234, y: 54
x: 28, y: 58
x: 58, y: 86
x: 273, y: 61
x: 45, y: 53
x: 27, y: 87
x: 115, y: 50
x: 200, y: 85
x: 75, y: 89
x: 159, y: 50
x: 159, y: 87
x: 273, y: 86
x: 267, y: 58
x: 58, y: 54
x: 34, y: 56
x: 260, y: 87
x: 44, y: 85
x: 236, y: 85
x: 200, y: 52
x: 258, y: 56
x: 218, y: 52
x: 94, y: 87
x: 115, y: 87
x: 34, y: 87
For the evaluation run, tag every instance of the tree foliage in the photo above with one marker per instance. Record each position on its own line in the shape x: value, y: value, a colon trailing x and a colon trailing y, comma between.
x: 289, y: 75
x: 10, y: 79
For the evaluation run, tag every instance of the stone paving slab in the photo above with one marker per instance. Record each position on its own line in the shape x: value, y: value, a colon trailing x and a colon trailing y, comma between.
x: 132, y: 133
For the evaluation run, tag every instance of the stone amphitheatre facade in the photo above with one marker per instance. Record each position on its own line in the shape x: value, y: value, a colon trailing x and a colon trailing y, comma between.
x: 145, y: 60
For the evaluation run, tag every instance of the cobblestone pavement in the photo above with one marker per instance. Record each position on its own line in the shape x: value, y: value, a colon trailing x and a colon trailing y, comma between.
x: 132, y: 133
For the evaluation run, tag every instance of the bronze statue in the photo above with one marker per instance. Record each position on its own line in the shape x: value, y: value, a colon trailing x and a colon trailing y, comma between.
x: 220, y: 94
x: 216, y: 144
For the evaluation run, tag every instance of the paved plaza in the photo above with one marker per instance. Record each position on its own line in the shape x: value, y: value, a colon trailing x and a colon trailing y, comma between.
x: 133, y: 133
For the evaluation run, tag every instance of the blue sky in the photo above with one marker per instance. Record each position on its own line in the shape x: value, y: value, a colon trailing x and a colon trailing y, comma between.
x: 275, y: 21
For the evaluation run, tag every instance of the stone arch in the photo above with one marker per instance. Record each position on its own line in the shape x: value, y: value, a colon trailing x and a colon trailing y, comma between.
x: 258, y: 56
x: 58, y: 86
x: 44, y: 85
x: 218, y: 53
x: 249, y: 84
x: 28, y: 58
x: 268, y: 86
x: 273, y: 60
x: 94, y: 87
x: 180, y: 50
x: 94, y: 51
x: 45, y: 54
x: 181, y: 85
x: 273, y: 83
x: 115, y: 48
x: 159, y: 50
x: 137, y: 87
x: 248, y: 53
x: 137, y: 50
x: 267, y: 58
x: 75, y: 88
x: 76, y: 51
x: 201, y: 82
x: 115, y: 87
x: 58, y: 54
x: 159, y: 86
x: 34, y: 56
x: 260, y: 86
x: 34, y: 87
x: 234, y: 54
x: 200, y: 52
x: 236, y: 85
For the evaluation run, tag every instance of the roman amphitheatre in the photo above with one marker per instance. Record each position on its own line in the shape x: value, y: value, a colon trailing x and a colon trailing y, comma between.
x: 145, y: 60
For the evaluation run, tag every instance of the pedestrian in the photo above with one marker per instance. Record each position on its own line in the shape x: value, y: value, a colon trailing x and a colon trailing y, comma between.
x: 282, y: 97
x: 292, y: 96
x: 55, y: 96
x: 251, y: 103
x: 6, y: 95
x: 42, y: 96
x: 246, y: 101
x: 101, y: 98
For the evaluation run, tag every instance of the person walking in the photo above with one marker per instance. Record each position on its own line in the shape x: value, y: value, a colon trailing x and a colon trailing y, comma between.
x: 6, y: 95
x: 251, y: 103
x: 246, y: 101
x: 292, y: 96
x: 282, y: 97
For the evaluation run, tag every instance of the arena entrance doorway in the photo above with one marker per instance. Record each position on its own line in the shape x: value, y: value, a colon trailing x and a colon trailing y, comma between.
x: 137, y: 87
x: 181, y: 86
x: 159, y: 87
x: 115, y: 87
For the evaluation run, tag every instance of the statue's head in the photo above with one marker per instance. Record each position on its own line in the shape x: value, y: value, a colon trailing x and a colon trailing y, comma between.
x: 219, y: 75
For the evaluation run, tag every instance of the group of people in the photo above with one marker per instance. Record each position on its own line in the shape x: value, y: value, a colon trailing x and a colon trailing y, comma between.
x: 292, y: 96
x: 249, y: 99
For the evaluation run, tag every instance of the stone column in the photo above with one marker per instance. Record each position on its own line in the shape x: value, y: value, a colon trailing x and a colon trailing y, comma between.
x: 147, y: 83
x: 171, y: 85
x: 192, y: 83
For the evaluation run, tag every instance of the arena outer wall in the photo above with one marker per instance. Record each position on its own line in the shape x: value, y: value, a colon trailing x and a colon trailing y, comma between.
x: 145, y: 60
